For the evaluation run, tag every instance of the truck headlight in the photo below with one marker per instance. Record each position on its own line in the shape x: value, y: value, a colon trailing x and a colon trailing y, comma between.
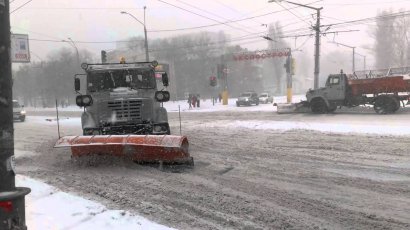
x: 83, y: 100
x: 23, y: 112
x: 162, y: 96
x: 159, y: 129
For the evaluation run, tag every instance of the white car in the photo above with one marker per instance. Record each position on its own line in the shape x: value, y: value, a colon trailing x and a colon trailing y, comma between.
x: 265, y: 98
x: 18, y: 111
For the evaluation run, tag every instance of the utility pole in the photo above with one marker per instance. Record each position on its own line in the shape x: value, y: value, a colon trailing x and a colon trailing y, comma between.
x: 317, y: 49
x: 146, y: 38
x: 317, y: 39
x: 289, y: 76
x: 12, y: 205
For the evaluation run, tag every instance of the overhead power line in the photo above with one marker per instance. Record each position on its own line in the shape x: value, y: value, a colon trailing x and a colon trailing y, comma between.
x: 203, y: 16
x: 21, y: 6
x: 211, y: 13
x: 227, y: 22
x: 369, y: 19
x: 85, y: 42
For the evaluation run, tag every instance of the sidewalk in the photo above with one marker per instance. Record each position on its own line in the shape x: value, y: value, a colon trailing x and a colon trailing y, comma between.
x: 49, y: 208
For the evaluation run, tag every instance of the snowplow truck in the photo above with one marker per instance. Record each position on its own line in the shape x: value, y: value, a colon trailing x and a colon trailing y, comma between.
x: 385, y: 93
x: 123, y: 99
x: 123, y: 114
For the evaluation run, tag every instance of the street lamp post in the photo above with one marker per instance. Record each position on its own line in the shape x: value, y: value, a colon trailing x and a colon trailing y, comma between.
x: 317, y: 39
x: 145, y: 32
x: 364, y: 60
x: 72, y: 43
x: 354, y: 54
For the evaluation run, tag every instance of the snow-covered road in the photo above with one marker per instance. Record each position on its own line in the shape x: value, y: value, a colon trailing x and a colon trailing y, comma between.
x: 254, y: 169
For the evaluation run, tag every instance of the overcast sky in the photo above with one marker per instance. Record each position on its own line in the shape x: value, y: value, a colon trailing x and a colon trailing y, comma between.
x: 101, y: 21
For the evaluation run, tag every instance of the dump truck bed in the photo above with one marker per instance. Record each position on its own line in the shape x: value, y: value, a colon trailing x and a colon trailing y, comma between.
x: 391, y: 84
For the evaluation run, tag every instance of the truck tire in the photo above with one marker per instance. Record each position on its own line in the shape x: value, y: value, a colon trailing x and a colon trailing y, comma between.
x: 386, y: 104
x: 318, y: 106
x: 397, y: 104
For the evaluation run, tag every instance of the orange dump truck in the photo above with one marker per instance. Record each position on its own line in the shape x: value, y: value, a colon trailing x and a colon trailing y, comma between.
x: 383, y: 91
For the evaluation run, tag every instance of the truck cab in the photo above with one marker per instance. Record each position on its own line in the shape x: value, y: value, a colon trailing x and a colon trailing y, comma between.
x: 123, y: 98
x: 326, y: 99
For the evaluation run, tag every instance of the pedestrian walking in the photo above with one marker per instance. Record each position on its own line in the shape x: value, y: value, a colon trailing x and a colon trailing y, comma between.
x: 198, y: 100
x: 194, y: 100
x: 220, y: 97
x: 190, y: 101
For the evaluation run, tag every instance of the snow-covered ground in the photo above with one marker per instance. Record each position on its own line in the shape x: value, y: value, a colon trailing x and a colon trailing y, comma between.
x: 48, y: 208
x: 206, y: 105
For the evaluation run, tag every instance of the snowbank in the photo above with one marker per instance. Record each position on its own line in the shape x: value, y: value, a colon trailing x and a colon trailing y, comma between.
x: 207, y: 105
x: 388, y: 128
x: 48, y: 208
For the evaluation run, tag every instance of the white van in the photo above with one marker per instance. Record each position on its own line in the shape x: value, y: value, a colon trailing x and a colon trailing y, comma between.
x: 18, y: 111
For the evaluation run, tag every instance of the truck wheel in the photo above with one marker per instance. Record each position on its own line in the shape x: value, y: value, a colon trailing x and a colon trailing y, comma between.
x: 397, y: 104
x: 385, y: 105
x: 318, y: 106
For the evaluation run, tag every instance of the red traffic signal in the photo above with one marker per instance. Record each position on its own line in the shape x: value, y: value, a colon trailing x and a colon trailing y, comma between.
x: 212, y: 81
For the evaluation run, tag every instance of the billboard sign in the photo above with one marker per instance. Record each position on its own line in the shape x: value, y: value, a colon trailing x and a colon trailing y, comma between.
x: 20, y: 51
x: 260, y: 55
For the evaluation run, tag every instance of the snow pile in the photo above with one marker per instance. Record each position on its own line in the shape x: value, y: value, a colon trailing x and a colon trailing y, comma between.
x: 49, y: 208
x: 208, y: 106
x: 390, y: 128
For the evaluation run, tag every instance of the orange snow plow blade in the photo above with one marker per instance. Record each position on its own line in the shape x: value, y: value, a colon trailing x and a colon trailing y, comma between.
x: 139, y: 148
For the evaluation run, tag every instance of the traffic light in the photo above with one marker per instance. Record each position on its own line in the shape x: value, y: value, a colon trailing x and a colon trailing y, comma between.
x: 212, y: 81
x: 292, y: 66
x: 103, y: 56
x: 219, y: 70
x: 287, y: 65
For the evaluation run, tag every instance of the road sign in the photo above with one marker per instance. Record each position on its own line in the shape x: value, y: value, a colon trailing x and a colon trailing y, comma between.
x: 20, y: 51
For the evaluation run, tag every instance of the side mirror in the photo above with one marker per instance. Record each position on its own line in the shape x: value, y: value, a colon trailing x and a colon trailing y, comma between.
x: 84, y: 100
x: 77, y: 85
x: 165, y: 80
x: 162, y: 96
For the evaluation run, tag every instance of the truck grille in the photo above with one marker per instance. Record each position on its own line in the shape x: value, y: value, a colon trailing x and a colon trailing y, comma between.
x: 126, y: 109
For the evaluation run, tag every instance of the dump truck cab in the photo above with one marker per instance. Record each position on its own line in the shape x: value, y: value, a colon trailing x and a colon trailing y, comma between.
x: 123, y: 98
x: 326, y: 99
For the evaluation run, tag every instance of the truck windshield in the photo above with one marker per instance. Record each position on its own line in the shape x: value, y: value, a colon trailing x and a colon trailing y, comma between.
x: 130, y: 78
x: 245, y: 95
x: 16, y: 104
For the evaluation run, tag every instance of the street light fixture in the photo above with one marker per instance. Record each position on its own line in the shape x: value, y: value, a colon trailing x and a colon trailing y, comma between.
x: 317, y: 37
x: 72, y: 43
x: 145, y: 32
x: 354, y: 52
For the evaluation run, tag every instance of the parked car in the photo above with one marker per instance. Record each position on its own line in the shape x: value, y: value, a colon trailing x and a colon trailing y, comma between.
x: 247, y: 98
x: 18, y: 111
x: 265, y: 98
